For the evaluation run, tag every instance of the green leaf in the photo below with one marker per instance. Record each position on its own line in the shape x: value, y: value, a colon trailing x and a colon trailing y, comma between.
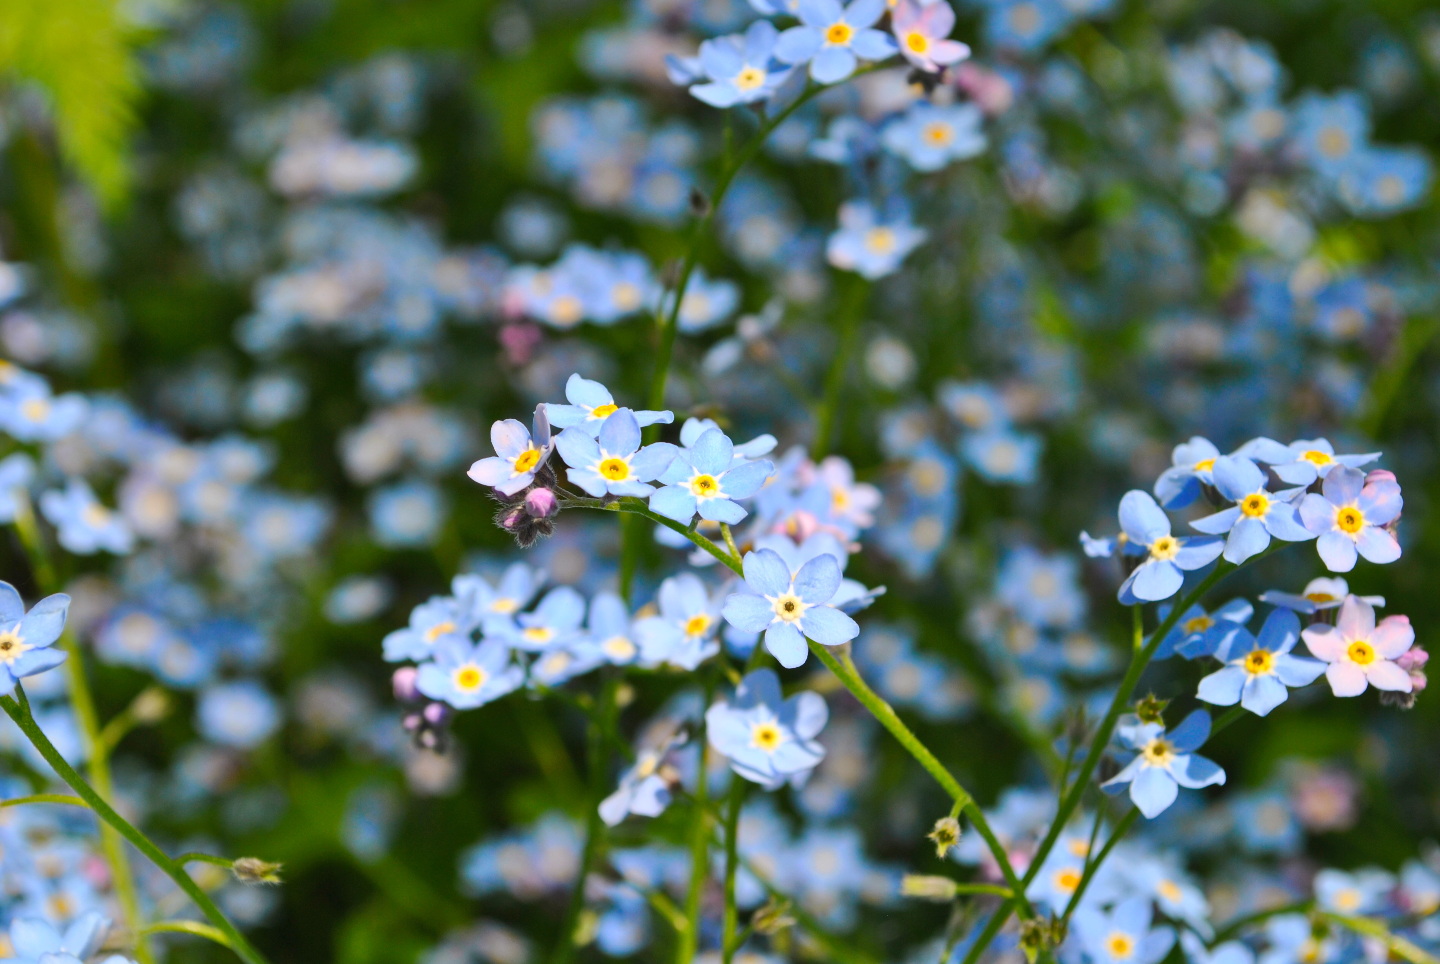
x: 80, y: 54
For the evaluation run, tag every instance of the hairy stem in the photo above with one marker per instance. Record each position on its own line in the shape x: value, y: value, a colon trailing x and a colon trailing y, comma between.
x: 19, y: 711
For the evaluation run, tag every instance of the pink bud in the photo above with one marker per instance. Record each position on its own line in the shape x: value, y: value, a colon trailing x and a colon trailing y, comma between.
x: 436, y: 714
x: 1380, y: 475
x: 513, y: 518
x: 541, y: 503
x: 403, y: 684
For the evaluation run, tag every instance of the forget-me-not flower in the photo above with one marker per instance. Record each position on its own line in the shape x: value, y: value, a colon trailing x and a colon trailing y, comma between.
x: 1312, y: 459
x: 1257, y: 513
x: 929, y: 136
x: 1349, y: 517
x: 16, y: 471
x: 922, y: 32
x: 741, y: 67
x: 467, y: 675
x: 868, y: 244
x: 644, y: 789
x: 1360, y: 653
x: 1199, y: 633
x: 591, y: 405
x: 1259, y: 668
x: 788, y: 606
x: 1168, y: 557
x: 614, y: 463
x: 683, y: 633
x: 83, y: 525
x: 768, y: 740
x: 1321, y: 593
x: 34, y: 940
x: 27, y: 640
x: 519, y: 454
x: 554, y: 624
x: 1122, y: 935
x: 832, y: 39
x: 1164, y: 762
x: 704, y: 479
x: 431, y: 621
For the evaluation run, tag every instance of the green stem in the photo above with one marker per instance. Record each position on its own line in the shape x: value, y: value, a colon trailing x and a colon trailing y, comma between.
x: 730, y: 542
x: 850, y: 310
x: 43, y: 798
x: 689, y: 941
x: 638, y: 507
x: 594, y: 826
x: 1396, y: 945
x: 1092, y: 867
x: 26, y: 722
x: 846, y: 672
x: 992, y: 927
x: 1235, y: 927
x: 194, y: 928
x: 199, y: 858
x: 668, y: 321
x: 730, y: 941
x: 88, y: 720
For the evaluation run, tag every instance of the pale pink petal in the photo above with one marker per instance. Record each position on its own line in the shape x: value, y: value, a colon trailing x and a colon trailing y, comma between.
x: 1346, y: 679
x: 1324, y: 642
x: 1357, y: 619
x: 1385, y: 675
x: 1393, y: 636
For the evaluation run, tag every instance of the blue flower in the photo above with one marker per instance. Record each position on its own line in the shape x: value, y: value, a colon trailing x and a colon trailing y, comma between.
x: 591, y: 406
x: 1003, y: 455
x: 867, y: 244
x: 1191, y: 462
x: 554, y: 624
x: 1321, y: 593
x: 741, y: 69
x: 1384, y: 180
x: 614, y: 463
x: 1230, y: 952
x: 1164, y: 762
x: 431, y: 621
x: 1361, y: 892
x: 519, y: 454
x: 84, y: 525
x: 1169, y: 557
x: 407, y: 514
x: 27, y: 639
x: 1349, y: 516
x: 1312, y: 459
x: 37, y: 941
x: 1258, y: 669
x: 767, y: 739
x: 466, y: 675
x: 930, y: 137
x: 644, y: 788
x: 1199, y: 633
x: 31, y: 413
x: 789, y: 607
x: 1122, y: 935
x: 831, y: 38
x: 1025, y: 24
x: 706, y: 303
x: 1257, y: 513
x: 683, y: 634
x: 610, y: 629
x: 1330, y: 132
x: 705, y: 478
x: 16, y: 471
x: 239, y: 714
x: 494, y: 607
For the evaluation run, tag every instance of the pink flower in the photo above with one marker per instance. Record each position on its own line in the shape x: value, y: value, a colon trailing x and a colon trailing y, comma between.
x: 921, y: 32
x: 1361, y: 653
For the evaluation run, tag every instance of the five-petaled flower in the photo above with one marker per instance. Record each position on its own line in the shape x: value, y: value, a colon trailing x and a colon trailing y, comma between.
x: 832, y: 39
x: 704, y: 479
x: 614, y: 463
x: 27, y: 640
x: 768, y: 739
x: 922, y: 32
x: 1349, y: 516
x: 1164, y: 762
x: 741, y: 67
x: 1361, y: 653
x: 1168, y: 557
x: 591, y: 405
x: 788, y: 607
x: 1257, y: 513
x: 519, y: 454
x: 467, y: 675
x: 1258, y: 669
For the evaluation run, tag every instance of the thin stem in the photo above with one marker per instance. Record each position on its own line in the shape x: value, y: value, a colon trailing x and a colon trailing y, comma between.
x: 43, y: 798
x: 594, y: 826
x: 689, y: 941
x: 730, y: 542
x: 88, y: 720
x: 192, y: 927
x: 992, y: 927
x: 199, y: 858
x: 1138, y: 622
x: 850, y: 310
x: 1226, y: 718
x: 638, y: 507
x: 1395, y: 944
x: 845, y: 671
x: 729, y: 940
x: 1235, y: 927
x: 1092, y: 867
x: 26, y: 722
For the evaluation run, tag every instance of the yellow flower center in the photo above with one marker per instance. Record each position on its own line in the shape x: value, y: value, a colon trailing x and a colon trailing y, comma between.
x: 1165, y: 548
x: 538, y: 634
x: 789, y: 607
x: 1259, y: 662
x: 97, y: 515
x: 1169, y: 890
x: 1078, y: 848
x: 880, y: 240
x: 939, y: 133
x: 626, y: 296
x: 604, y: 411
x: 1204, y: 465
x: 917, y: 42
x: 504, y: 605
x: 469, y: 678
x: 616, y: 470
x: 839, y: 34
x: 1361, y: 652
x: 1333, y: 142
x: 1320, y: 597
x: 566, y: 310
x: 1120, y: 945
x: 35, y: 409
x: 1349, y: 519
x: 766, y: 736
x: 1157, y: 752
x: 438, y: 630
x: 696, y: 625
x: 1316, y: 457
x: 526, y: 460
x: 1197, y: 625
x: 704, y: 487
x: 618, y: 647
x: 1067, y: 880
x: 749, y: 78
x: 11, y: 646
x: 1348, y: 899
x: 1255, y: 505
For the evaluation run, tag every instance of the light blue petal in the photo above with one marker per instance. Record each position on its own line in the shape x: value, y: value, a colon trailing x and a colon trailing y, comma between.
x: 1142, y: 520
x: 1192, y: 732
x: 1249, y: 538
x: 674, y: 502
x: 818, y: 579
x: 766, y: 572
x: 1153, y: 791
x: 1223, y: 687
x: 620, y: 435
x: 828, y: 626
x: 722, y: 510
x: 747, y: 612
x: 786, y: 644
x: 1194, y: 772
x: 1263, y: 694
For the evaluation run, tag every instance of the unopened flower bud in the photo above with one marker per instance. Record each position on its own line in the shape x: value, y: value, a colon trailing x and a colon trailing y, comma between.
x: 412, y: 722
x: 1151, y: 709
x: 150, y: 707
x: 945, y: 834
x: 774, y: 917
x: 541, y: 503
x: 402, y: 682
x: 928, y: 887
x: 513, y: 518
x: 436, y: 714
x: 253, y: 870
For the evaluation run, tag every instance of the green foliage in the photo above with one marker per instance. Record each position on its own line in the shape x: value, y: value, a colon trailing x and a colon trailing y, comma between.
x: 80, y: 54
